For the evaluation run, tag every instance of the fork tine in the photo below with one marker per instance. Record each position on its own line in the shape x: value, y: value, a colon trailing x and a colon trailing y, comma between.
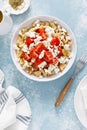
x: 84, y: 58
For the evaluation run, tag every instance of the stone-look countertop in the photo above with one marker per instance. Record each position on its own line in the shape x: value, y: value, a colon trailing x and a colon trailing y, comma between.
x: 42, y: 96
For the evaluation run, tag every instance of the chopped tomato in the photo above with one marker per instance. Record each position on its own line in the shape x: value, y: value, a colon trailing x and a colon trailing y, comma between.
x: 33, y: 54
x: 54, y: 61
x: 60, y: 51
x: 29, y: 40
x: 35, y: 66
x: 42, y: 33
x: 41, y: 30
x: 44, y: 36
x: 48, y: 56
x: 55, y: 41
x: 40, y: 47
x: 39, y: 61
x: 25, y: 56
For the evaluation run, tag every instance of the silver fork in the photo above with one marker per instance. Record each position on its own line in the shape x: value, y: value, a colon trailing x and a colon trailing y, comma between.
x: 80, y: 65
x: 3, y: 100
x: 24, y: 119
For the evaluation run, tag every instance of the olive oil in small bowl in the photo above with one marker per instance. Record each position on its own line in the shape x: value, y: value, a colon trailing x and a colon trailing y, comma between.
x: 1, y: 16
x: 5, y: 22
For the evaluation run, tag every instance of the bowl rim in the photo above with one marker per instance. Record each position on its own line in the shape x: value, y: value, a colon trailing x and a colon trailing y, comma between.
x: 56, y: 76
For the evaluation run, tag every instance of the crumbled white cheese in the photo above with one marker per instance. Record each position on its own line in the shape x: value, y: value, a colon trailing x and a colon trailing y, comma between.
x: 50, y: 69
x: 62, y: 37
x: 25, y: 64
x: 63, y: 60
x: 30, y: 34
x: 59, y: 27
x: 46, y: 43
x: 49, y: 39
x: 32, y: 60
x: 56, y: 51
x: 53, y: 51
x: 31, y: 46
x: 64, y: 30
x: 68, y: 38
x: 67, y: 47
x: 37, y: 26
x: 49, y: 30
x: 41, y: 54
x: 56, y: 70
x: 47, y: 71
x: 37, y: 40
x: 25, y: 48
x: 42, y: 65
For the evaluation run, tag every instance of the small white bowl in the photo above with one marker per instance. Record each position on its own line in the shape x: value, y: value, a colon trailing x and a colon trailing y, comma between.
x: 8, y: 7
x: 28, y: 23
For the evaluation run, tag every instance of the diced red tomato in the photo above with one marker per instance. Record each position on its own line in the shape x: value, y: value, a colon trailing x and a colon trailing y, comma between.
x: 29, y: 40
x: 39, y: 61
x: 41, y: 30
x: 44, y: 36
x: 35, y: 51
x: 48, y: 56
x: 33, y: 54
x: 60, y: 52
x: 55, y: 41
x: 25, y: 56
x: 35, y: 66
x: 54, y: 61
x: 40, y: 47
x: 42, y: 33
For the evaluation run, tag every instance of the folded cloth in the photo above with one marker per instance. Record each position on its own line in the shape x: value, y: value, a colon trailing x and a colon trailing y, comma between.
x: 8, y: 114
x: 1, y: 78
x: 22, y: 108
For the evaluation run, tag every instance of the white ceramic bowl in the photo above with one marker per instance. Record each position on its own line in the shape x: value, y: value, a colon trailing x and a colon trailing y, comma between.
x: 28, y: 23
x: 9, y: 9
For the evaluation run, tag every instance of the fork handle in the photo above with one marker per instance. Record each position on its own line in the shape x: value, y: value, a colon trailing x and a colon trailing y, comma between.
x: 63, y: 92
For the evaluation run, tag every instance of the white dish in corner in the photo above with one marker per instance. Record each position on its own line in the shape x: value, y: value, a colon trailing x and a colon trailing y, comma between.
x: 79, y: 104
x: 16, y: 12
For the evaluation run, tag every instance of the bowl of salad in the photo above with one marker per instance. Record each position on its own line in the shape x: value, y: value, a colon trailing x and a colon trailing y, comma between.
x: 43, y: 48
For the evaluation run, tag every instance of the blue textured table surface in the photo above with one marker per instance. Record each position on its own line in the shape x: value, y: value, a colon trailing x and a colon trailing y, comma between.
x: 42, y: 96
